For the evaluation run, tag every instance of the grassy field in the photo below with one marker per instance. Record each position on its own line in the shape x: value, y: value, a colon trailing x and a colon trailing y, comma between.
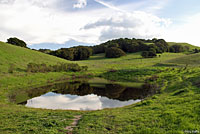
x: 191, y: 60
x: 175, y: 110
x: 99, y: 63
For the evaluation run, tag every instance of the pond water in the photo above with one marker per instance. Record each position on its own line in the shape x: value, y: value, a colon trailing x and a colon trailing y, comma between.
x: 87, y: 94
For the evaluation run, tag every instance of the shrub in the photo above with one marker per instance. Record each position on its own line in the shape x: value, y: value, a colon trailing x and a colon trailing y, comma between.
x: 60, y: 67
x: 176, y: 48
x: 114, y: 52
x: 46, y: 51
x: 145, y: 54
x: 73, y: 67
x: 17, y: 42
x: 148, y: 54
x: 196, y: 50
x: 82, y: 53
x: 152, y: 54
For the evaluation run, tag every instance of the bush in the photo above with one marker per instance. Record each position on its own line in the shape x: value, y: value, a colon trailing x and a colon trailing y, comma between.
x: 60, y: 67
x: 196, y: 50
x: 82, y: 53
x: 114, y: 52
x: 17, y: 42
x: 145, y: 54
x: 148, y: 54
x: 46, y: 51
x: 176, y: 48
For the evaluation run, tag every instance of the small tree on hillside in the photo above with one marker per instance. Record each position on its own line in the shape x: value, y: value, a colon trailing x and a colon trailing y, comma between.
x: 114, y: 52
x: 148, y: 54
x: 17, y: 42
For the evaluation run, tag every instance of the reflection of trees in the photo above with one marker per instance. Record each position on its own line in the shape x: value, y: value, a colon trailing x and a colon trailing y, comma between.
x: 76, y: 88
x: 112, y: 91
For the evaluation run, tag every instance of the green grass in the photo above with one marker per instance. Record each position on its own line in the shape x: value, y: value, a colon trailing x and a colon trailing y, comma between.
x: 99, y: 63
x: 184, y: 44
x: 191, y: 60
x: 174, y: 110
x: 20, y: 57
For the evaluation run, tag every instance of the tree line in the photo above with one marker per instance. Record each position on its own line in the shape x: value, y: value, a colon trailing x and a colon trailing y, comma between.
x: 113, y: 48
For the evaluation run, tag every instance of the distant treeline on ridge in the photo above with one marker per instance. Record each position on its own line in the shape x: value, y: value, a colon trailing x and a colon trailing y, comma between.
x: 117, y: 48
x: 113, y: 48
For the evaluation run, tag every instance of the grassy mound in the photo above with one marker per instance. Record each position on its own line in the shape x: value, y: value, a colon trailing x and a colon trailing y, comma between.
x: 19, y: 57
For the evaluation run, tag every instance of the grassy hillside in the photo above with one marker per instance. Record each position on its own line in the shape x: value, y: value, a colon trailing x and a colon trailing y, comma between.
x: 192, y: 60
x: 184, y: 44
x: 20, y: 57
x: 98, y: 63
x: 175, y: 110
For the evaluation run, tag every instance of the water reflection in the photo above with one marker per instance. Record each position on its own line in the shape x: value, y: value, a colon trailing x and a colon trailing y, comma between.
x: 88, y: 102
x: 83, y: 95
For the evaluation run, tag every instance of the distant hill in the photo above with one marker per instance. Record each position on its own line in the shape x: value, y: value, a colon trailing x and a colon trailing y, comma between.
x: 20, y: 57
x: 184, y: 44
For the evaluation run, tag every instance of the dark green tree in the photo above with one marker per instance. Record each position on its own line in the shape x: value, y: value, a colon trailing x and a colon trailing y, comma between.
x: 114, y: 52
x: 46, y: 51
x: 177, y: 48
x: 82, y: 53
x: 17, y: 42
x: 152, y: 54
x: 196, y: 50
x: 113, y: 45
x: 162, y: 45
x: 148, y: 54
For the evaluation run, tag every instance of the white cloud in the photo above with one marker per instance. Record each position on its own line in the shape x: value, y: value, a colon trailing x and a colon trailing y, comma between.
x: 80, y: 4
x: 6, y: 1
x: 188, y: 31
x: 37, y: 21
x: 136, y: 24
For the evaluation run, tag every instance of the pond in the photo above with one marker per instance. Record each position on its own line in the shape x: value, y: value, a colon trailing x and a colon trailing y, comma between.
x: 87, y: 94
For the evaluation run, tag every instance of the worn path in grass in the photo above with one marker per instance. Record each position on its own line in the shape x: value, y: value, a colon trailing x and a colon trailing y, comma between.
x: 74, y: 124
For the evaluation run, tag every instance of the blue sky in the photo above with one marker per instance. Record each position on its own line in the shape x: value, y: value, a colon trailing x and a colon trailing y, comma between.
x: 64, y: 23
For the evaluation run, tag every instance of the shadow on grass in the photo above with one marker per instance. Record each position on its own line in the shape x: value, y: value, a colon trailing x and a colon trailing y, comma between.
x: 21, y: 70
x: 165, y: 65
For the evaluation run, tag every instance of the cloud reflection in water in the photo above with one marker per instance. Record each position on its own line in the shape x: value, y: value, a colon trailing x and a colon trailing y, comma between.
x: 73, y: 102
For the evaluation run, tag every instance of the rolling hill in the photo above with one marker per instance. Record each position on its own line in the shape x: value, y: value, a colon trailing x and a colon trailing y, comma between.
x: 184, y: 44
x: 19, y: 57
x: 174, y: 109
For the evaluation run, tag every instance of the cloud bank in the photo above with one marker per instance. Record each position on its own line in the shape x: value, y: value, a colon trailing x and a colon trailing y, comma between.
x: 136, y: 24
x: 59, y: 21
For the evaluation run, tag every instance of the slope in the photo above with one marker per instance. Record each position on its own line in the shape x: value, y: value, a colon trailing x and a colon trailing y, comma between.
x: 192, y: 59
x: 184, y: 44
x: 19, y: 57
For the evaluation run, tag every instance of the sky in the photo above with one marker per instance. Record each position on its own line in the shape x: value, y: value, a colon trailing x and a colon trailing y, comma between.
x: 54, y: 24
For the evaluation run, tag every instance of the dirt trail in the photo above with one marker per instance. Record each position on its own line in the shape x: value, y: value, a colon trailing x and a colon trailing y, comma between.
x: 74, y: 124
